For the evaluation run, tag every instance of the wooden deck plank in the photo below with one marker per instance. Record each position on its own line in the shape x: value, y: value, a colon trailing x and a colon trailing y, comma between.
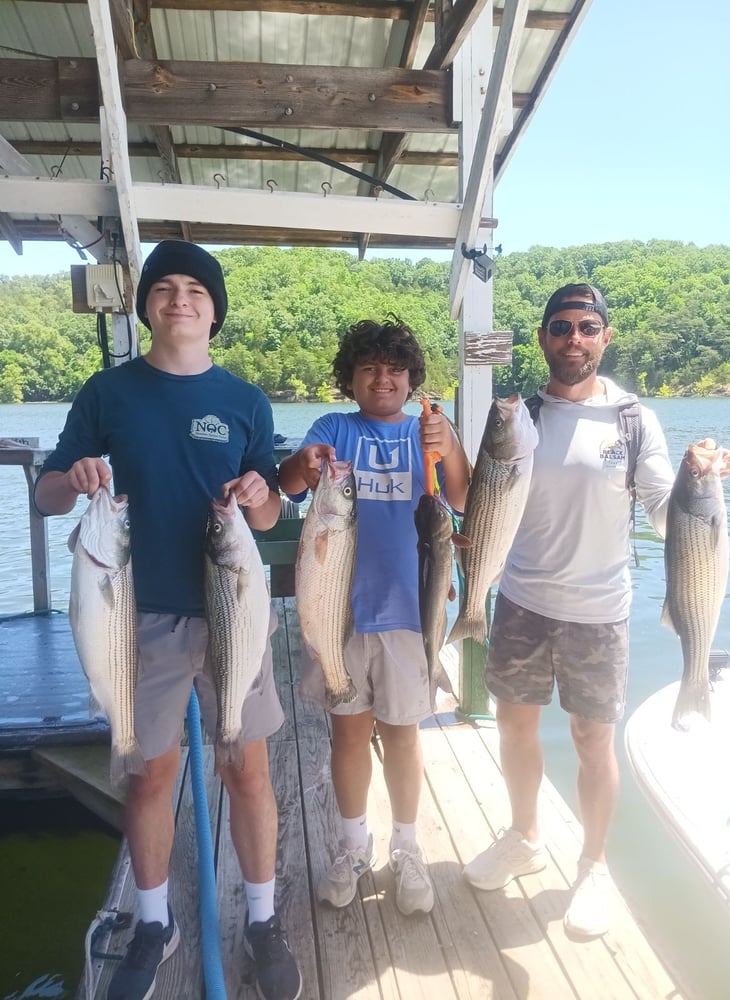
x: 527, y: 958
x: 508, y: 944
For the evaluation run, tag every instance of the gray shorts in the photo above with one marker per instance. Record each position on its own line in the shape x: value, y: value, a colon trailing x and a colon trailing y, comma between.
x: 390, y: 672
x: 173, y: 654
x: 528, y: 653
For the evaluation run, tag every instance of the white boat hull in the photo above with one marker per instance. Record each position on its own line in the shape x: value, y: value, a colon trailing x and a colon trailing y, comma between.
x: 686, y: 776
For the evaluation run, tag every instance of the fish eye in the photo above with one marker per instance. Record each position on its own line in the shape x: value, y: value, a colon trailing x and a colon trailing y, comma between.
x: 347, y: 491
x: 127, y: 523
x: 217, y: 526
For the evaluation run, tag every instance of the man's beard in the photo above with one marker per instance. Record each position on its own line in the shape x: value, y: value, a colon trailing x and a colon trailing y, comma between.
x: 569, y: 374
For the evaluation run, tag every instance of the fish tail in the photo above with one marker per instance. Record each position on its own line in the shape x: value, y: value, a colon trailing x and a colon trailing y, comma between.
x: 229, y: 753
x: 693, y: 699
x: 124, y: 762
x: 469, y: 627
x: 340, y: 695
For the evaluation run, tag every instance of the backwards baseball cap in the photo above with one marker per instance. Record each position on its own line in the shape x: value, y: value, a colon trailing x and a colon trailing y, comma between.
x: 180, y: 257
x: 573, y: 297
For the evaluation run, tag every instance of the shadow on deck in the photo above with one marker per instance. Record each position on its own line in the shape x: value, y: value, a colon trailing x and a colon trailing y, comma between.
x: 508, y: 944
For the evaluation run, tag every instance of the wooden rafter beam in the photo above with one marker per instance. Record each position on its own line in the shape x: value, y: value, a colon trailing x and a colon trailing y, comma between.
x: 134, y: 39
x: 74, y: 229
x: 9, y: 232
x: 114, y: 131
x: 226, y: 206
x: 260, y: 95
x: 462, y: 18
x: 485, y: 147
x: 393, y: 10
x: 218, y: 151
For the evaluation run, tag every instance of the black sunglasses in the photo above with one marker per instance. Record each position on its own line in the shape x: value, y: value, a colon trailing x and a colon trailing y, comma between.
x: 586, y: 327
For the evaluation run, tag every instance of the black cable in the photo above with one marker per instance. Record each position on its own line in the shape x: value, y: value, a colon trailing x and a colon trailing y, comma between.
x: 314, y: 155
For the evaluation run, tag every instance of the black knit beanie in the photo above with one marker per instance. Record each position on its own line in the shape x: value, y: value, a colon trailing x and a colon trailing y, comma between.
x: 180, y: 257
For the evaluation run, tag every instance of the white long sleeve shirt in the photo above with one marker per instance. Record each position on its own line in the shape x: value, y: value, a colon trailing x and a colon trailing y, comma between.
x: 570, y: 557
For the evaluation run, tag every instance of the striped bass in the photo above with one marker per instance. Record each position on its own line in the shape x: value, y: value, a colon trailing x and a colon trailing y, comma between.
x: 494, y: 507
x: 103, y: 617
x: 237, y: 610
x: 435, y: 535
x: 323, y: 576
x: 696, y: 567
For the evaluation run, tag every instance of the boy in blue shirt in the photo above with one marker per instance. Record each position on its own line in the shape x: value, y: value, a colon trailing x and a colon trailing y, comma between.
x: 380, y: 366
x: 179, y: 430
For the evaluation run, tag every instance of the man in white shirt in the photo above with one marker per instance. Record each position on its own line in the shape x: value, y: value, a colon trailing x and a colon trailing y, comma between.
x: 561, y: 614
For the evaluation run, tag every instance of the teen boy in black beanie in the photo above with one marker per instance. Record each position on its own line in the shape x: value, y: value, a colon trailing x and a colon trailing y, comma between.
x: 179, y: 430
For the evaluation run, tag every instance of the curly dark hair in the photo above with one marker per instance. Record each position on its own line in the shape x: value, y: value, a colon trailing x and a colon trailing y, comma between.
x: 390, y: 343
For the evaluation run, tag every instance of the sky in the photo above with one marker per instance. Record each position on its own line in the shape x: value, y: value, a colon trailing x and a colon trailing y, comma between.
x: 630, y: 141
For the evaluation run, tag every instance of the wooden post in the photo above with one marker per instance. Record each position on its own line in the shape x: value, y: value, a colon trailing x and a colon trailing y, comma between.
x: 25, y: 451
x: 39, y: 556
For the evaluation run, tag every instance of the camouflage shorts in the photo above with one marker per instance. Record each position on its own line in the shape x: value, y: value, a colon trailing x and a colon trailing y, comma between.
x: 529, y: 653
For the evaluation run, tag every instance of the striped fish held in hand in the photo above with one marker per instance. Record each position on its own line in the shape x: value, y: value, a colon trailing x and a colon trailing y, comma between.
x: 103, y: 617
x: 435, y: 587
x: 696, y: 555
x: 324, y: 572
x: 237, y: 611
x: 494, y: 507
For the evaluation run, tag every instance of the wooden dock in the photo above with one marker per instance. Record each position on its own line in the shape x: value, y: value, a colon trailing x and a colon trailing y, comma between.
x: 508, y: 944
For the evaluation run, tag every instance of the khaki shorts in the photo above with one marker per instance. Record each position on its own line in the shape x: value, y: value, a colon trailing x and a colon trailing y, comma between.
x: 390, y: 672
x: 529, y: 653
x: 173, y: 655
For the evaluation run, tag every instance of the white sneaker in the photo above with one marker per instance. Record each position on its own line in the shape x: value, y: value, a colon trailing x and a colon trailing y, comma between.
x: 508, y: 857
x: 413, y: 889
x: 588, y: 914
x: 339, y: 886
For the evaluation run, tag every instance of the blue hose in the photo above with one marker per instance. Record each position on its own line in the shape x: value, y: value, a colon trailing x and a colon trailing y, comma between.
x: 215, y: 987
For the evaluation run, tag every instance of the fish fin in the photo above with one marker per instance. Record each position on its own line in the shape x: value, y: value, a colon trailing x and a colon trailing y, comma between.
x: 693, y: 700
x: 73, y: 538
x: 125, y: 762
x: 460, y: 541
x: 443, y: 681
x: 340, y: 696
x: 666, y: 618
x: 230, y: 753
x: 469, y: 628
x: 320, y: 546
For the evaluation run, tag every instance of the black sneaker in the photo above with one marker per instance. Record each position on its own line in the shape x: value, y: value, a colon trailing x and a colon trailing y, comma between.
x: 277, y: 973
x: 151, y: 945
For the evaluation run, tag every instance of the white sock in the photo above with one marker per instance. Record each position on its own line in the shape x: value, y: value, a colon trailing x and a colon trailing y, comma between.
x: 152, y: 905
x: 260, y: 898
x: 403, y: 833
x: 356, y: 830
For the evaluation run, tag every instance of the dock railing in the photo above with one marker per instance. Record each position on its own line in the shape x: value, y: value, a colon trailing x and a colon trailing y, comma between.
x: 24, y: 451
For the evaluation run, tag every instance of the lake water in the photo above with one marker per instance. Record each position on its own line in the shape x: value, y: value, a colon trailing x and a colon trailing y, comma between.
x: 654, y: 874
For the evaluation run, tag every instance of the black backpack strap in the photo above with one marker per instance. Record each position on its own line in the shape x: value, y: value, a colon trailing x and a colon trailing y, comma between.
x: 533, y: 404
x: 632, y: 431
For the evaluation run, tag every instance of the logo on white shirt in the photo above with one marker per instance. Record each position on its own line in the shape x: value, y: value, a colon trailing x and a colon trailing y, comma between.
x: 613, y: 454
x: 383, y: 469
x: 209, y: 428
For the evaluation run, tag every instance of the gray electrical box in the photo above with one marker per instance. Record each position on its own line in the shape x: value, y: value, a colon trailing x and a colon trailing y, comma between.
x: 97, y: 287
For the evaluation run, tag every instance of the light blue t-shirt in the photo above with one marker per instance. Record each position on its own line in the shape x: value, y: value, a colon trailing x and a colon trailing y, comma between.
x: 389, y: 480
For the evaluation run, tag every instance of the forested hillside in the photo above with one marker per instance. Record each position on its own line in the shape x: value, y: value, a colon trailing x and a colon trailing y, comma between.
x: 669, y: 304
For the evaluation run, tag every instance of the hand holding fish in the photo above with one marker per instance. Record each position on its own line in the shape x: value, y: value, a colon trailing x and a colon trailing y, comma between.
x: 436, y: 433
x: 721, y: 456
x: 251, y: 490
x: 87, y: 475
x: 308, y: 468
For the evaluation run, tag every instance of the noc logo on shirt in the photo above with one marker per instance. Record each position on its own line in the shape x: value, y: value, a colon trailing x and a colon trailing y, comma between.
x: 383, y: 469
x: 209, y: 428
